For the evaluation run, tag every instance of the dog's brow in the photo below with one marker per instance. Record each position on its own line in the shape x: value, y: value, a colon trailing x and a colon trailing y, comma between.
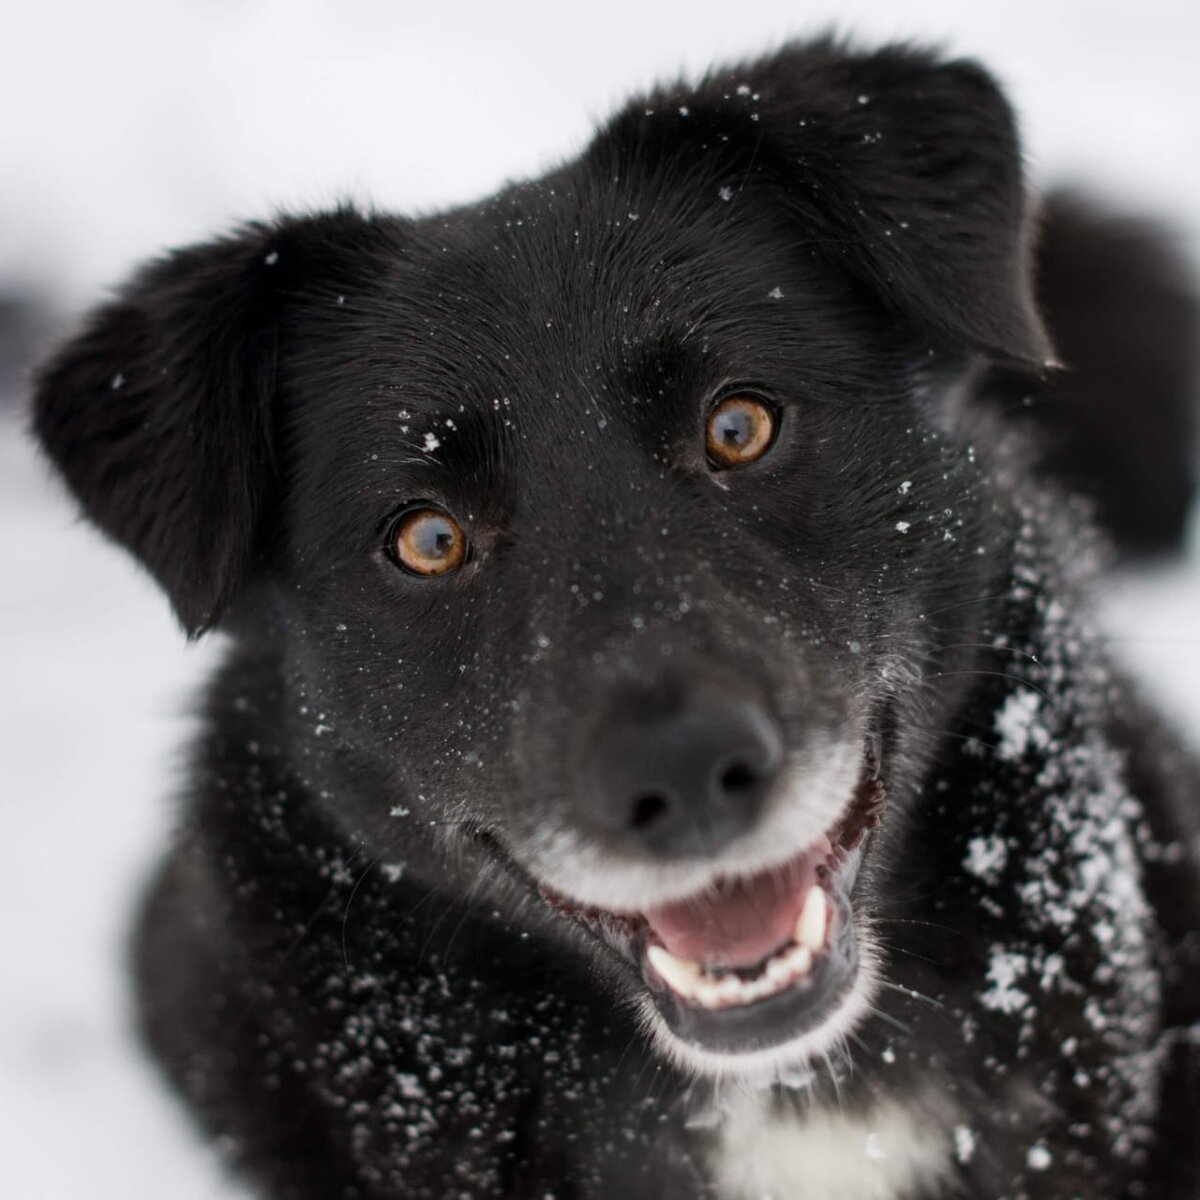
x: 449, y: 438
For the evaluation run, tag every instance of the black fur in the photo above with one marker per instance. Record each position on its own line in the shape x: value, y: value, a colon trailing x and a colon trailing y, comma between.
x: 343, y: 966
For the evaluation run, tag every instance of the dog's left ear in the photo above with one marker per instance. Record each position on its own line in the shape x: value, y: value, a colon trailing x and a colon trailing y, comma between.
x: 161, y: 412
x: 902, y: 168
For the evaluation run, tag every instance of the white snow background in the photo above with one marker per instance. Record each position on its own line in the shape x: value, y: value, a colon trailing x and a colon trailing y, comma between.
x: 126, y: 128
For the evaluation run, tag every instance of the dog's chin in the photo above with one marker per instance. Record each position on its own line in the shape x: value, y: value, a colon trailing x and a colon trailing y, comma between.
x: 777, y: 1039
x: 755, y: 974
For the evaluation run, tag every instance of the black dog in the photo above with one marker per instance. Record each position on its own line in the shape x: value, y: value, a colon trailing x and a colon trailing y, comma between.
x: 601, y: 561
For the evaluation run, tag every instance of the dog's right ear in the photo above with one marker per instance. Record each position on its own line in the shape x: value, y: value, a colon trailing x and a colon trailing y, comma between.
x: 900, y: 167
x: 159, y: 413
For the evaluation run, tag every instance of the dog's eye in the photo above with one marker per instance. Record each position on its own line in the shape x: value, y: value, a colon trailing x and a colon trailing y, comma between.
x: 427, y: 541
x: 739, y: 430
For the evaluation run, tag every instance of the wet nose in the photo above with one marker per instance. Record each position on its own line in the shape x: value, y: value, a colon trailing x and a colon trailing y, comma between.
x: 681, y: 780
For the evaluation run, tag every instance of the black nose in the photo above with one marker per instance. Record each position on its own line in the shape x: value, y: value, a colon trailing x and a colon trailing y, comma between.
x: 681, y: 779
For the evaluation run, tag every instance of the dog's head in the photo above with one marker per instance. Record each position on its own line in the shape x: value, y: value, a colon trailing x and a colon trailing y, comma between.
x: 613, y: 528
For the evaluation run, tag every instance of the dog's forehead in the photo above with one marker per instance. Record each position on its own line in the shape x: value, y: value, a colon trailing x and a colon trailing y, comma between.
x: 569, y: 297
x: 564, y: 297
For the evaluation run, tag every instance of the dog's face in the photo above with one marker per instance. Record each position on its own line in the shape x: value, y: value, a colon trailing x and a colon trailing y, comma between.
x: 615, y: 535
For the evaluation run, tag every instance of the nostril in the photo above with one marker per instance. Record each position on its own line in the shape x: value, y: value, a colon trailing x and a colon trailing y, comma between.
x: 648, y: 810
x: 675, y: 776
x: 739, y: 778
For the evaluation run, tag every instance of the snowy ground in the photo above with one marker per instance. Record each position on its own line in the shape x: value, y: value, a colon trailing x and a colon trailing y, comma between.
x: 125, y: 127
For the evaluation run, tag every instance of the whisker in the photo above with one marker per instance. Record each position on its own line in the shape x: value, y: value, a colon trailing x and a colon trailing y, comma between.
x: 996, y: 674
x: 853, y: 1036
x: 997, y: 596
x: 888, y: 1019
x: 468, y: 903
x: 833, y: 1078
x: 912, y: 994
x: 349, y: 901
x: 876, y: 920
x: 987, y: 646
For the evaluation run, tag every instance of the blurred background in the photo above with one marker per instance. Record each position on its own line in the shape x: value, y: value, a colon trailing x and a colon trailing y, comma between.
x: 129, y: 127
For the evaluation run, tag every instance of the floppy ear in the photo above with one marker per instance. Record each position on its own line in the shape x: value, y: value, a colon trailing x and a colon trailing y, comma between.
x: 905, y: 169
x: 159, y: 412
x: 159, y: 416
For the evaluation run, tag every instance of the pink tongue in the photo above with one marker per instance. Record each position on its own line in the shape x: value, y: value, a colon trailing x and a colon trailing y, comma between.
x: 746, y: 920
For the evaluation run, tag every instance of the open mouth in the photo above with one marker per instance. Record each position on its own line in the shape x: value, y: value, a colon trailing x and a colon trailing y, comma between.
x: 752, y: 961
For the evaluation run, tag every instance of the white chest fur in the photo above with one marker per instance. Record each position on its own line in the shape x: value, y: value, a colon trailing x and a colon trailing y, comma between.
x: 888, y: 1154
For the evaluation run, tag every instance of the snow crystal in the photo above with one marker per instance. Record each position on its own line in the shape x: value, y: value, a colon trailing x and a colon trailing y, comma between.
x: 903, y: 526
x: 431, y: 443
x: 1004, y: 969
x: 986, y: 858
x: 725, y: 193
x: 1016, y: 723
x: 964, y: 1143
x: 272, y: 258
x: 1038, y: 1158
x: 905, y: 487
x: 776, y: 293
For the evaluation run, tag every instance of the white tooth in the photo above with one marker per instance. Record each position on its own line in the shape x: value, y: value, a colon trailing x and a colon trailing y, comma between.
x: 761, y: 988
x: 682, y: 976
x: 767, y: 987
x: 731, y: 989
x: 810, y: 927
x: 800, y: 960
x: 778, y: 970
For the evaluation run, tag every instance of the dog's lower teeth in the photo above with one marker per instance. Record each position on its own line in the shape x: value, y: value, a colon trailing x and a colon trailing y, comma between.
x: 727, y: 990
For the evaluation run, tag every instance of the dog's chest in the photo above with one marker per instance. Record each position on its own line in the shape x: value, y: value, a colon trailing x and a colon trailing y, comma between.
x: 892, y: 1152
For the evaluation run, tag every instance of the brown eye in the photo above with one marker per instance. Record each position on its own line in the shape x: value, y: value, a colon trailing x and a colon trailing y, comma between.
x: 740, y: 430
x: 427, y: 541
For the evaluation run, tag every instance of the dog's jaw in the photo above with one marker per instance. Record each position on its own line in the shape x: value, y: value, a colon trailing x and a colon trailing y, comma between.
x: 779, y: 1062
x: 751, y: 1017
